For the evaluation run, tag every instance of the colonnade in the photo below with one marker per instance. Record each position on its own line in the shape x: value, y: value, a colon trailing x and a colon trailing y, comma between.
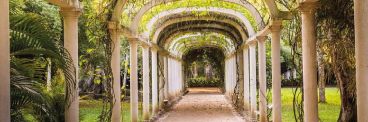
x: 249, y: 74
x: 175, y: 78
x: 170, y: 85
x: 170, y: 82
x: 230, y: 75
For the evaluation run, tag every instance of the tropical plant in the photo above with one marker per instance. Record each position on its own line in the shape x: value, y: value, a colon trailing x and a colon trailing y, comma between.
x: 31, y: 45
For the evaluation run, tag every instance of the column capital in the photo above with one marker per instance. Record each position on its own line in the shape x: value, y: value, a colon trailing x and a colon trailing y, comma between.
x: 253, y: 43
x: 308, y: 7
x: 145, y: 45
x: 133, y: 40
x: 71, y: 12
x: 261, y: 38
x: 276, y: 25
x: 245, y: 46
x: 154, y: 49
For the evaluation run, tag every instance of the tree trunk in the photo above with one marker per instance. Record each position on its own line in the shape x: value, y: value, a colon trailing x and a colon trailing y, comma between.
x: 195, y: 71
x: 125, y: 70
x: 321, y: 73
x: 348, y: 112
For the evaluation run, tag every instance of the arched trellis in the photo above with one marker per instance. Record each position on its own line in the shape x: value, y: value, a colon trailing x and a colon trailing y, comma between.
x: 195, y: 45
x: 199, y: 30
x: 170, y: 45
x: 245, y: 4
x: 236, y: 24
x: 165, y: 36
x: 180, y: 47
x: 307, y: 7
x: 239, y: 15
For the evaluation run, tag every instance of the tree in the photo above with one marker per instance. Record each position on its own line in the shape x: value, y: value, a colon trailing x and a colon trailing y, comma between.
x: 34, y: 42
x: 337, y: 18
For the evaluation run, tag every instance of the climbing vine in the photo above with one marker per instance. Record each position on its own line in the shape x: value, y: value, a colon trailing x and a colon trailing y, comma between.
x: 99, y: 13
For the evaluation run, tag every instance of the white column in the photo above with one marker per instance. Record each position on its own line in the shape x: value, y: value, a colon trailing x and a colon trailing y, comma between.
x: 253, y: 80
x: 262, y: 78
x: 70, y: 16
x: 162, y: 83
x: 276, y: 71
x: 175, y: 81
x: 231, y: 76
x: 246, y: 78
x: 133, y: 80
x: 166, y: 68
x: 171, y: 77
x: 146, y: 84
x: 234, y: 73
x: 115, y: 67
x: 154, y: 82
x: 309, y: 61
x: 226, y: 70
x: 181, y: 78
x: 361, y: 53
x: 5, y: 61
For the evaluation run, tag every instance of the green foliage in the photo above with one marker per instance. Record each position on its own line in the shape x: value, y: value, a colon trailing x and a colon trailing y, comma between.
x: 91, y: 109
x: 35, y: 34
x: 128, y: 14
x: 204, y: 82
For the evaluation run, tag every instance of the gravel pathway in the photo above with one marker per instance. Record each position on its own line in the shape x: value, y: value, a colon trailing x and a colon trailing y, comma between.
x: 202, y: 105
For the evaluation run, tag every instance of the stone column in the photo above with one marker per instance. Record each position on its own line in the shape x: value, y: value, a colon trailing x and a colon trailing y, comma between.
x: 262, y: 78
x: 115, y: 67
x: 231, y: 76
x: 174, y: 83
x: 169, y: 77
x: 133, y: 80
x: 5, y: 61
x: 154, y: 82
x: 70, y: 16
x: 162, y: 82
x: 166, y: 74
x: 276, y: 71
x: 234, y: 74
x: 146, y: 84
x: 240, y: 69
x: 253, y: 80
x: 309, y: 61
x: 361, y: 53
x: 246, y: 78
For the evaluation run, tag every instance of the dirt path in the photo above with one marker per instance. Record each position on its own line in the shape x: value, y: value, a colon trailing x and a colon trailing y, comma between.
x: 202, y: 105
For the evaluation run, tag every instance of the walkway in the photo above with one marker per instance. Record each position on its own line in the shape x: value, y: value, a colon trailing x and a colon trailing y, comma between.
x: 202, y: 105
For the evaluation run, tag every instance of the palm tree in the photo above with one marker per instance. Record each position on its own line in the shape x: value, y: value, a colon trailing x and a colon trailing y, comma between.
x: 31, y: 44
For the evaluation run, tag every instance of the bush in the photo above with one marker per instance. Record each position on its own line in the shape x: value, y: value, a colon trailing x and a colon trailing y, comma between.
x: 204, y: 82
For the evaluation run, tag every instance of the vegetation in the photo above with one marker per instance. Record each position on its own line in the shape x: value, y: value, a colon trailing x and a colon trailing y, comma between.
x: 327, y: 112
x: 91, y: 109
x: 204, y: 82
x: 42, y: 73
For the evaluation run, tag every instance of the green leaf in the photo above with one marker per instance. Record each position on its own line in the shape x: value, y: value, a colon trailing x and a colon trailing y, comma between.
x: 98, y: 81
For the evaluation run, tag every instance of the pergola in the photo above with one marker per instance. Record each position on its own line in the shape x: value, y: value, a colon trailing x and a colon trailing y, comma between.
x: 240, y: 52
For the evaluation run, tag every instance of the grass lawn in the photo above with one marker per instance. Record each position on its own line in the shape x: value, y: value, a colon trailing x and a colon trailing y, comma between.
x: 89, y: 110
x: 328, y: 112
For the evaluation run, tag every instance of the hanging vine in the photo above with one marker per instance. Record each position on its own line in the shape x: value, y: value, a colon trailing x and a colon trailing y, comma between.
x: 99, y: 14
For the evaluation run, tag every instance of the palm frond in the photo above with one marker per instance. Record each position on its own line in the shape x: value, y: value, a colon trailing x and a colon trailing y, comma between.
x: 29, y: 37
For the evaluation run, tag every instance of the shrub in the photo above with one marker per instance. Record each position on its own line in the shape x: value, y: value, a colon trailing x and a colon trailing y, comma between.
x: 204, y: 82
